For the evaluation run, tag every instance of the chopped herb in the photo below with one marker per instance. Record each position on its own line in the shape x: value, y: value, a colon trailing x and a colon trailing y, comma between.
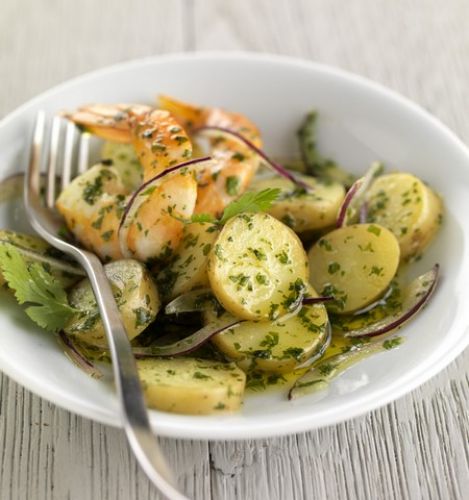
x: 283, y: 257
x: 238, y: 156
x: 260, y: 254
x: 323, y: 243
x: 106, y: 236
x: 392, y: 343
x: 374, y: 229
x: 232, y: 185
x: 333, y: 267
x: 262, y: 279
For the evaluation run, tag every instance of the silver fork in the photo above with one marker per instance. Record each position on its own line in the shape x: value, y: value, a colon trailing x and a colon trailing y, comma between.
x: 47, y: 224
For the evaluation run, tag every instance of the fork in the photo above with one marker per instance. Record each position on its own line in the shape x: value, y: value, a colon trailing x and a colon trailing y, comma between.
x: 47, y: 224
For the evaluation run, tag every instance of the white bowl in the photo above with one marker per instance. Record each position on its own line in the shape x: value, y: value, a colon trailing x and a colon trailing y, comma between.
x: 360, y: 121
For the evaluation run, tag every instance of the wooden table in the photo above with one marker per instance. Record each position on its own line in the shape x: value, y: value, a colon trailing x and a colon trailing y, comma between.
x: 414, y: 448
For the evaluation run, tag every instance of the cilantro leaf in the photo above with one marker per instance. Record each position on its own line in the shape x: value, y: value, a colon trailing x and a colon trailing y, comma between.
x: 250, y: 202
x: 32, y: 284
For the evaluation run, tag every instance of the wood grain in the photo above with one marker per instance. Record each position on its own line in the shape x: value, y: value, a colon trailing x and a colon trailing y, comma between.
x: 415, y: 448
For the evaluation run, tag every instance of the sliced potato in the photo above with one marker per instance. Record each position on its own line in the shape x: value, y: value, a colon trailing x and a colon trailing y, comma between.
x: 124, y: 160
x: 136, y: 296
x: 301, y: 210
x: 406, y: 206
x: 191, y: 386
x: 188, y: 270
x: 274, y: 346
x: 258, y: 268
x: 355, y: 264
x: 43, y: 253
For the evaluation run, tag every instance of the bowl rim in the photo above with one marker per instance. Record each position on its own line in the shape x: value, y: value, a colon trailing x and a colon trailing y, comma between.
x: 183, y: 426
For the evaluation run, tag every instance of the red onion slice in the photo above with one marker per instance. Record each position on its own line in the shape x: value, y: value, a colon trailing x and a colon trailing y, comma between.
x: 141, y: 195
x: 352, y: 210
x: 321, y: 375
x: 188, y: 344
x: 281, y: 170
x: 316, y: 300
x: 74, y: 354
x: 415, y: 297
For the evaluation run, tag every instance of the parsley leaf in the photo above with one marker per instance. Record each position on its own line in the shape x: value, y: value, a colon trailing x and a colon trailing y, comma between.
x: 32, y: 284
x: 250, y: 202
x: 259, y: 201
x: 203, y: 218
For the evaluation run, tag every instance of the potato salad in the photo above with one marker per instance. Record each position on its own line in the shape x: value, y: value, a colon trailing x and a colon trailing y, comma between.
x: 233, y: 272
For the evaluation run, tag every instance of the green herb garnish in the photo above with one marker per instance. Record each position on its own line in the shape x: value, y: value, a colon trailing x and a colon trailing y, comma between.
x: 32, y: 284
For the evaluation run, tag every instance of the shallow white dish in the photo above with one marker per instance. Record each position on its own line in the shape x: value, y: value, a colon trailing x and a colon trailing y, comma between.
x: 359, y: 122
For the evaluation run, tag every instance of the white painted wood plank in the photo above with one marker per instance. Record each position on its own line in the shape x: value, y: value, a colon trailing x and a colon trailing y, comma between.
x: 415, y: 448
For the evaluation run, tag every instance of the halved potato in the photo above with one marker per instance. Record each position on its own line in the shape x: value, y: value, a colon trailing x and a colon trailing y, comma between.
x: 136, y: 296
x: 302, y: 210
x: 274, y: 346
x: 355, y: 264
x: 92, y: 206
x: 188, y: 270
x: 257, y: 268
x: 191, y: 386
x: 408, y: 208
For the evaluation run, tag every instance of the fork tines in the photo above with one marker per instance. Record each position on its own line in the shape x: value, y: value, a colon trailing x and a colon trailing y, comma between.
x: 65, y: 162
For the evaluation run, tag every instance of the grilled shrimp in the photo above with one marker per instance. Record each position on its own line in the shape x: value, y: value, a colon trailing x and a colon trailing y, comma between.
x: 93, y: 204
x: 108, y: 121
x: 234, y: 163
x: 159, y: 140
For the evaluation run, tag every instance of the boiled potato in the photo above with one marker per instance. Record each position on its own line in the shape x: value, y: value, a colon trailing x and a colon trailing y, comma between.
x: 191, y: 386
x: 408, y: 208
x: 301, y: 210
x: 257, y: 268
x: 34, y: 249
x: 136, y: 296
x: 124, y: 160
x: 355, y: 264
x: 274, y: 346
x: 188, y: 270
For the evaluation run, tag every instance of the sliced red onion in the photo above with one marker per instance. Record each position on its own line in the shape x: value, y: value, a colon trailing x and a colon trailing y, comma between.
x: 316, y: 300
x: 416, y: 295
x: 74, y: 354
x: 141, y: 195
x: 320, y: 376
x: 188, y: 344
x: 281, y: 170
x: 38, y: 257
x: 363, y: 213
x: 350, y: 211
x: 193, y: 301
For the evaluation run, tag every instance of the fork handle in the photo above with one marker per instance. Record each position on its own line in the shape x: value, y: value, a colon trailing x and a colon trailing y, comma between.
x: 133, y: 409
